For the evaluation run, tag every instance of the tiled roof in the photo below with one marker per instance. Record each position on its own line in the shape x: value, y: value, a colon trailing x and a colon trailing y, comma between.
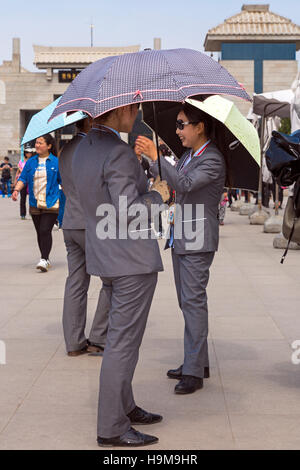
x: 256, y: 23
x: 75, y: 56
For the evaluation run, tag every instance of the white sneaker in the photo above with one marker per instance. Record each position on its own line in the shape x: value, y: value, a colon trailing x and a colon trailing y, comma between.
x: 42, y: 265
x: 48, y: 263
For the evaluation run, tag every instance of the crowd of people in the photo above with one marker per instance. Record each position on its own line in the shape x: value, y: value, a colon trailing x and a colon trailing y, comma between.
x: 97, y: 159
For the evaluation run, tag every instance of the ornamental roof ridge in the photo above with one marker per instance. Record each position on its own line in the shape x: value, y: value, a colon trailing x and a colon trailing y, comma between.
x: 253, y: 24
x: 39, y: 48
x: 61, y: 57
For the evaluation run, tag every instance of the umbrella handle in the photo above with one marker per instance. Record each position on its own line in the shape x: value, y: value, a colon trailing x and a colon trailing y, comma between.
x: 156, y: 138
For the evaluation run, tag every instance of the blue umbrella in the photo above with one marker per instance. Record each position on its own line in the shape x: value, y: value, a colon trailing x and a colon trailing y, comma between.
x: 151, y: 75
x: 39, y: 125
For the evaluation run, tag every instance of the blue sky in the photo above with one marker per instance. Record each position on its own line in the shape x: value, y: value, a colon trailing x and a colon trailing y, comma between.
x: 179, y: 23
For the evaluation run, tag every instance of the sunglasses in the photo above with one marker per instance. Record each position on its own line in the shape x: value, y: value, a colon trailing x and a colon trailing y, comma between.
x: 179, y: 124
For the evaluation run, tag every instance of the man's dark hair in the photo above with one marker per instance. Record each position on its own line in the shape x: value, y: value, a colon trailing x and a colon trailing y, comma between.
x: 6, y: 158
x: 80, y: 124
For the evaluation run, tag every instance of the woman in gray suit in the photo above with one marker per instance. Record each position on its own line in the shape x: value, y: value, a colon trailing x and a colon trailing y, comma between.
x: 198, y: 180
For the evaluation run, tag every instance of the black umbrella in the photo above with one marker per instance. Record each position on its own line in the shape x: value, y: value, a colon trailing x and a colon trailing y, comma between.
x: 243, y: 171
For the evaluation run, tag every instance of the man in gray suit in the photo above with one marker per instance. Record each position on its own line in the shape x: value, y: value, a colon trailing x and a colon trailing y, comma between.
x: 112, y: 185
x: 78, y: 280
x: 198, y: 180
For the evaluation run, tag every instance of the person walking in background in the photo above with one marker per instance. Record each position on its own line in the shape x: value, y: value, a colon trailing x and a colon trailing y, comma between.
x: 222, y: 207
x: 5, y: 169
x: 41, y: 174
x: 198, y: 179
x: 280, y: 194
x: 232, y: 193
x: 78, y: 280
x: 28, y: 152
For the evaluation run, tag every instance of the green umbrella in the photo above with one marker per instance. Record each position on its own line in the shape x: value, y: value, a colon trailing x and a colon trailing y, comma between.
x: 227, y: 113
x: 231, y: 130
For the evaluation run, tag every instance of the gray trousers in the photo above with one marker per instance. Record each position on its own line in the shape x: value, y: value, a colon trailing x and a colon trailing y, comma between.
x: 130, y: 304
x: 76, y: 295
x: 191, y: 274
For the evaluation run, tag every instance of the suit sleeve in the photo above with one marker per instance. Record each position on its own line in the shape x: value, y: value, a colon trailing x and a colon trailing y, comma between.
x: 208, y: 171
x: 122, y: 173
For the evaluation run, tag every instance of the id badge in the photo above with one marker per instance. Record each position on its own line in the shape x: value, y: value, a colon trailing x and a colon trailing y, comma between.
x: 171, y: 214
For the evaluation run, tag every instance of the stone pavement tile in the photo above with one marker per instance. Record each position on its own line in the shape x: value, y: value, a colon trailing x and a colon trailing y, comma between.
x: 272, y: 356
x: 15, y: 382
x: 257, y: 392
x: 185, y: 429
x: 234, y: 303
x: 61, y: 361
x: 45, y: 431
x: 30, y: 352
x: 166, y: 354
x: 247, y: 328
x: 33, y: 325
x: 156, y: 393
x: 174, y: 329
x: 6, y: 413
x: 288, y: 323
x: 51, y: 292
x: 281, y: 306
x: 9, y: 308
x: 266, y: 432
x: 50, y: 431
x: 25, y: 292
x: 44, y: 308
x: 64, y: 391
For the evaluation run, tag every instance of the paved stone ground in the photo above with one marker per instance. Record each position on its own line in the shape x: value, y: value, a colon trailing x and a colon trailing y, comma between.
x: 251, y: 401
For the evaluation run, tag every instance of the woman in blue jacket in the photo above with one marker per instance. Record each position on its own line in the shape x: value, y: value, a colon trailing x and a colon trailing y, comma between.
x: 42, y: 176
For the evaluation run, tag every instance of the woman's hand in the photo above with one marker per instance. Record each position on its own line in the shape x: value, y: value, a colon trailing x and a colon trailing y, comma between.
x: 146, y: 146
x: 14, y: 195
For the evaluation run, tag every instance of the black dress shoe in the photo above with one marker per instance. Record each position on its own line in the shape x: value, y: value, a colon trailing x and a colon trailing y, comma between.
x: 140, y: 416
x: 177, y: 373
x: 188, y: 384
x: 131, y: 438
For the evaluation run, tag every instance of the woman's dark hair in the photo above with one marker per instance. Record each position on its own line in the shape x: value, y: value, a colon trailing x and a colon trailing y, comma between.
x: 195, y: 115
x: 50, y: 141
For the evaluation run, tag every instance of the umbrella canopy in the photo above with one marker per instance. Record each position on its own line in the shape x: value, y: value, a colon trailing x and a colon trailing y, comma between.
x: 151, y: 75
x: 275, y: 103
x: 39, y: 125
x: 236, y: 137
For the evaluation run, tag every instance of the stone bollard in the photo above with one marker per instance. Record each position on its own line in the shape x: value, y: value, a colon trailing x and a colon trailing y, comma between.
x: 273, y: 224
x: 259, y: 217
x: 247, y: 209
x: 280, y: 242
x: 236, y: 205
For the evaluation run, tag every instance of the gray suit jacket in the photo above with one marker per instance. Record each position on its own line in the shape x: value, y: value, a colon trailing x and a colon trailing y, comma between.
x: 199, y: 186
x: 73, y: 216
x: 104, y: 168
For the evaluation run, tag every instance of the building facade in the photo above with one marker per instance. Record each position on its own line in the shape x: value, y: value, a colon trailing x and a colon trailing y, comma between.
x: 23, y: 93
x: 258, y: 48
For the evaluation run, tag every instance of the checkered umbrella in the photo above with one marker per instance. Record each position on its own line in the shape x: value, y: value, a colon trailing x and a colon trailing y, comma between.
x: 151, y: 75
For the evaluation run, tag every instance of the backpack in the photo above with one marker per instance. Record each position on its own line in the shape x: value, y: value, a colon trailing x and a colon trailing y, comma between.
x: 283, y: 161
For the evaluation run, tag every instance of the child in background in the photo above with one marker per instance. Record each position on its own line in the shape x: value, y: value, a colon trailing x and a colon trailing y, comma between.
x: 222, y: 207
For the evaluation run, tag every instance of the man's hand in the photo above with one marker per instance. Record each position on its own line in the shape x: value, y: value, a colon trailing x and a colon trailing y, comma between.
x: 146, y: 146
x: 162, y: 188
